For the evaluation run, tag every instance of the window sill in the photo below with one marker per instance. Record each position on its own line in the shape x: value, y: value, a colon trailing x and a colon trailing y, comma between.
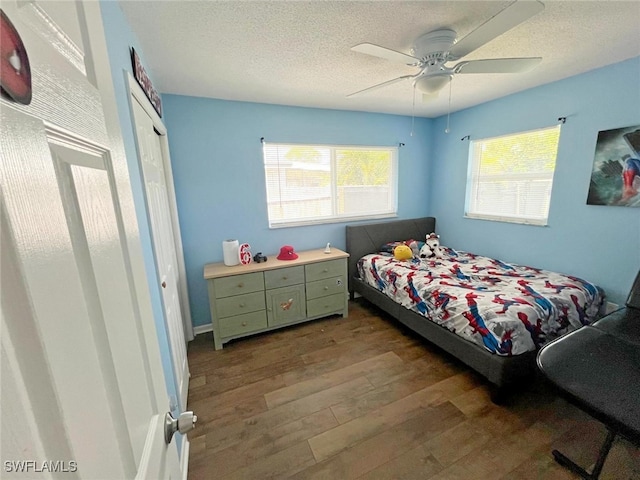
x: 321, y: 221
x: 519, y: 220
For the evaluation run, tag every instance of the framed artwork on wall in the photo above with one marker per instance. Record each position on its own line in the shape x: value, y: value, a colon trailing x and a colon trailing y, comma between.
x: 140, y: 74
x: 615, y: 178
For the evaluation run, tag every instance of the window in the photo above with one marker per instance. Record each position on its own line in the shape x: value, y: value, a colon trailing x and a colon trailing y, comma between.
x: 324, y: 183
x: 510, y: 177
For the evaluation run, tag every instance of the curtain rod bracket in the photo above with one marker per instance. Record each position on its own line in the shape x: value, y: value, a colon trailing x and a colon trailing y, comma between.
x: 261, y: 139
x: 562, y: 120
x: 466, y: 137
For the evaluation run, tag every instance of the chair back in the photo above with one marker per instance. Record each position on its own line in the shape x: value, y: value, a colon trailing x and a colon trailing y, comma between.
x: 634, y: 295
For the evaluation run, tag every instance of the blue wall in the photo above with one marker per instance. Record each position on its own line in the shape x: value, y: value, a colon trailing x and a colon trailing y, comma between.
x: 119, y: 40
x: 216, y: 156
x: 599, y: 243
x: 217, y: 166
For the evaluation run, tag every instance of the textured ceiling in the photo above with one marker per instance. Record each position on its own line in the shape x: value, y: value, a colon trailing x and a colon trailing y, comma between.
x: 298, y: 53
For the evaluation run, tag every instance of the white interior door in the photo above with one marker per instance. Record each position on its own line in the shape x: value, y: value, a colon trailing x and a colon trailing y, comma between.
x: 83, y: 391
x: 151, y: 158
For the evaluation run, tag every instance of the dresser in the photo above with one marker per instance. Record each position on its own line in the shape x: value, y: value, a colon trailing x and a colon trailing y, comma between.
x: 248, y: 299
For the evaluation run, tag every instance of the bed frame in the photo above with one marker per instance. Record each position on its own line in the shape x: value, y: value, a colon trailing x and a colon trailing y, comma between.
x: 367, y: 238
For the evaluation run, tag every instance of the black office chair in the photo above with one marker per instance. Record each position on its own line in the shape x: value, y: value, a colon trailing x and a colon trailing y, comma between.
x: 597, y: 368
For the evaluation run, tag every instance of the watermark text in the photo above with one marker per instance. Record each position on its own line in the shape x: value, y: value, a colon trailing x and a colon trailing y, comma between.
x: 54, y: 466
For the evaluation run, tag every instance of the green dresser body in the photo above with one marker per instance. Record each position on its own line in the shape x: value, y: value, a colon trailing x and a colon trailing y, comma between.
x: 255, y: 298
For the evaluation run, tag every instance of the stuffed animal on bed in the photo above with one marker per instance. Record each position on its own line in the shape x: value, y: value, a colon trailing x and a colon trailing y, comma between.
x: 414, y: 246
x: 431, y: 248
x: 402, y: 252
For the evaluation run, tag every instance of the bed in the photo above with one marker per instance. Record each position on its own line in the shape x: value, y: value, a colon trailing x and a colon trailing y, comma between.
x: 490, y: 315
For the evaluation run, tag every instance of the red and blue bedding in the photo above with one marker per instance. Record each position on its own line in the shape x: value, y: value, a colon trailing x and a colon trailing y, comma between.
x: 507, y: 309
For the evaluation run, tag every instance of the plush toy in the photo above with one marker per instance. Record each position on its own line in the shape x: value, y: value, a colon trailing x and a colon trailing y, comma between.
x: 402, y: 252
x: 426, y: 252
x: 431, y: 248
x: 413, y: 245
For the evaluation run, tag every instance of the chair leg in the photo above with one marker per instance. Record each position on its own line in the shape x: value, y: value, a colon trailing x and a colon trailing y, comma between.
x: 597, y: 469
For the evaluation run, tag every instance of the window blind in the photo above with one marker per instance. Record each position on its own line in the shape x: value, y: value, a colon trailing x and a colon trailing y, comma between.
x: 510, y: 177
x: 308, y: 184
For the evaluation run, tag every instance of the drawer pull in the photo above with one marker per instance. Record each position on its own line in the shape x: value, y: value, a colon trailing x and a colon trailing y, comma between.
x: 325, y: 270
x: 284, y: 278
x: 242, y: 305
x: 240, y: 285
x: 244, y: 324
x: 326, y: 288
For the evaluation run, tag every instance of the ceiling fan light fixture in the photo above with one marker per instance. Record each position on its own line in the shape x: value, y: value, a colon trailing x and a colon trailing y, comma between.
x: 432, y: 83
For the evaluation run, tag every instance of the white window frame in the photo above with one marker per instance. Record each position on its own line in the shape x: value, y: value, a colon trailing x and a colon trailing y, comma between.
x: 391, y: 212
x: 474, y: 176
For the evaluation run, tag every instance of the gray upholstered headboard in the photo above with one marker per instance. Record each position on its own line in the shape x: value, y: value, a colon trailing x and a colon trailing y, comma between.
x: 368, y: 238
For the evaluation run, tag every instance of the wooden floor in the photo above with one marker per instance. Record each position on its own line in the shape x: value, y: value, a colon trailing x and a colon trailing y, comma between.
x: 362, y: 398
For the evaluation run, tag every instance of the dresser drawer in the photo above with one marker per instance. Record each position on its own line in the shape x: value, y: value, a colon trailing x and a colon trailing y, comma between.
x: 325, y: 305
x: 324, y: 288
x: 283, y: 277
x: 249, y: 322
x: 286, y: 305
x: 240, y: 304
x: 238, y: 284
x: 322, y: 270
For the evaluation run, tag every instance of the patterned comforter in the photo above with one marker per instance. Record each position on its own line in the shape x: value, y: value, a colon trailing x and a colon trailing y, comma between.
x: 507, y: 309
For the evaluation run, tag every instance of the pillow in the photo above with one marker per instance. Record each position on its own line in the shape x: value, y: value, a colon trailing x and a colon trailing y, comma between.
x: 414, y: 245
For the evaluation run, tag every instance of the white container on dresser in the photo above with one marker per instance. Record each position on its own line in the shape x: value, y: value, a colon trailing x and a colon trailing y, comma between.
x: 248, y: 299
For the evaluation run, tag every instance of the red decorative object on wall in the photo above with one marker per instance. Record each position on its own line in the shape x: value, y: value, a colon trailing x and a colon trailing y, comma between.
x: 15, y: 72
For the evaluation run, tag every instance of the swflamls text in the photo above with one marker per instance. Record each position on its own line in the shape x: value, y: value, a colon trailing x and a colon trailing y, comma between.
x: 57, y: 466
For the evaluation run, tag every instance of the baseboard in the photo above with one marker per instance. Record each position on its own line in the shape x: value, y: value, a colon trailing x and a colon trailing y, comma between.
x: 202, y: 329
x: 184, y: 457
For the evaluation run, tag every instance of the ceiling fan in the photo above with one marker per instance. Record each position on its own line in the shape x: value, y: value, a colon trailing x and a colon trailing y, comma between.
x: 433, y: 50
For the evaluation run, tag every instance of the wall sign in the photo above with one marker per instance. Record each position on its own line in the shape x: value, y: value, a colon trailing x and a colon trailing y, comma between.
x: 140, y: 74
x: 15, y: 72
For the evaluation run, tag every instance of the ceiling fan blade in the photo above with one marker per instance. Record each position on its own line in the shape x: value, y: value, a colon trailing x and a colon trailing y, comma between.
x: 498, y: 65
x: 380, y: 85
x: 386, y: 53
x: 502, y: 22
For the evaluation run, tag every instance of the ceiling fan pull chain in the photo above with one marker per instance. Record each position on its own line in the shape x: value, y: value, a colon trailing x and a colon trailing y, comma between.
x: 447, y: 130
x: 413, y: 110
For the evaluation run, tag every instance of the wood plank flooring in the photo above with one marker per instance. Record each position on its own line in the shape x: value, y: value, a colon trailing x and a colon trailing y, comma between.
x: 363, y: 398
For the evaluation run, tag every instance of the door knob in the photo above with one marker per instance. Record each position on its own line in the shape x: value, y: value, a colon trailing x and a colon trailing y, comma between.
x: 164, y: 284
x: 184, y: 423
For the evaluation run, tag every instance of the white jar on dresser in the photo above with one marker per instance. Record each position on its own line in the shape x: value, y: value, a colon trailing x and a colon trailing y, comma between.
x: 248, y: 299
